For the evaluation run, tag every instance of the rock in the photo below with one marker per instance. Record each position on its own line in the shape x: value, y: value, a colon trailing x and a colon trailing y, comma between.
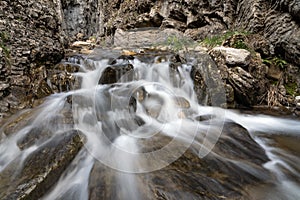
x: 171, y: 23
x: 57, y: 81
x: 298, y: 106
x: 233, y: 136
x: 275, y: 72
x: 229, y: 96
x: 205, y: 117
x: 195, y: 21
x: 37, y: 35
x: 32, y: 36
x: 208, y: 84
x: 152, y: 19
x: 81, y: 44
x: 144, y: 37
x: 297, y: 101
x: 182, y: 102
x: 41, y: 169
x: 42, y: 90
x: 244, y: 85
x: 199, y: 48
x: 36, y: 135
x: 226, y: 172
x: 245, y: 76
x: 115, y: 73
x: 234, y: 57
x: 81, y: 19
x: 3, y: 86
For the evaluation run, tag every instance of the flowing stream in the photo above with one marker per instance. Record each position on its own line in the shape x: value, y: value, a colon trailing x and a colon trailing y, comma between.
x: 141, y: 124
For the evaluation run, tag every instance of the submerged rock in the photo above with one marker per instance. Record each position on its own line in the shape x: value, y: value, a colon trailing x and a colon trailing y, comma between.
x: 234, y: 164
x: 41, y: 169
x: 115, y: 73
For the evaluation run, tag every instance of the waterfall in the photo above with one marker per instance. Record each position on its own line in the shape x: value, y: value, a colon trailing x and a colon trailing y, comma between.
x: 139, y: 125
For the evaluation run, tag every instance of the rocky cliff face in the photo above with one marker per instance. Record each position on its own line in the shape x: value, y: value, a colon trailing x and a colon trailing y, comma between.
x: 31, y: 38
x: 34, y: 34
x: 277, y: 20
x: 81, y: 18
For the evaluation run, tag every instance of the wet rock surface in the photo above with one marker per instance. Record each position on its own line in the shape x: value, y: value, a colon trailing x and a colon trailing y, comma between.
x: 226, y: 172
x: 40, y: 170
x: 208, y: 85
x: 115, y: 73
x: 38, y: 39
x: 33, y: 39
x: 234, y: 164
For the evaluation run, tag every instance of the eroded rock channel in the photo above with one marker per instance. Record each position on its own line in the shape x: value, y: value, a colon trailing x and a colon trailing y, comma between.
x: 136, y: 125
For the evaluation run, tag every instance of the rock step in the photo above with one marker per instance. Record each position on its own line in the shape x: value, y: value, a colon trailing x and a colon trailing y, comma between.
x: 42, y: 169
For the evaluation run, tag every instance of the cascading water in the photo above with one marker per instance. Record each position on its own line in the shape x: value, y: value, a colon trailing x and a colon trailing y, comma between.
x: 137, y: 126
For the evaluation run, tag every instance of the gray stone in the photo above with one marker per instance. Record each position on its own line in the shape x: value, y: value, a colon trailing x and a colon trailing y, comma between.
x: 297, y: 100
x: 3, y: 86
x: 144, y: 37
x: 208, y: 84
x: 244, y: 85
x: 115, y: 73
x: 234, y: 57
x: 298, y: 106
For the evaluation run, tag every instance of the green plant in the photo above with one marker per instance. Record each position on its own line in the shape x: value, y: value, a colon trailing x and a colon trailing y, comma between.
x: 4, y: 37
x: 291, y: 89
x: 216, y: 40
x: 274, y: 82
x: 280, y: 62
x: 178, y: 43
x: 212, y: 41
x: 276, y: 61
x: 239, y: 44
x: 174, y: 41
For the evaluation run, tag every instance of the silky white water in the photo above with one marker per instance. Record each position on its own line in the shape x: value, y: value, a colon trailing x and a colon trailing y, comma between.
x: 143, y: 124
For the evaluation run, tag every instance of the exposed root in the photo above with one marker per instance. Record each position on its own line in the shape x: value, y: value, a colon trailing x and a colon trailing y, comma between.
x: 274, y: 96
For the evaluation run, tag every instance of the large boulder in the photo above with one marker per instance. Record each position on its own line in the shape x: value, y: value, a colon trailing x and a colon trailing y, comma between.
x: 233, y: 56
x: 244, y: 85
x: 208, y: 83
